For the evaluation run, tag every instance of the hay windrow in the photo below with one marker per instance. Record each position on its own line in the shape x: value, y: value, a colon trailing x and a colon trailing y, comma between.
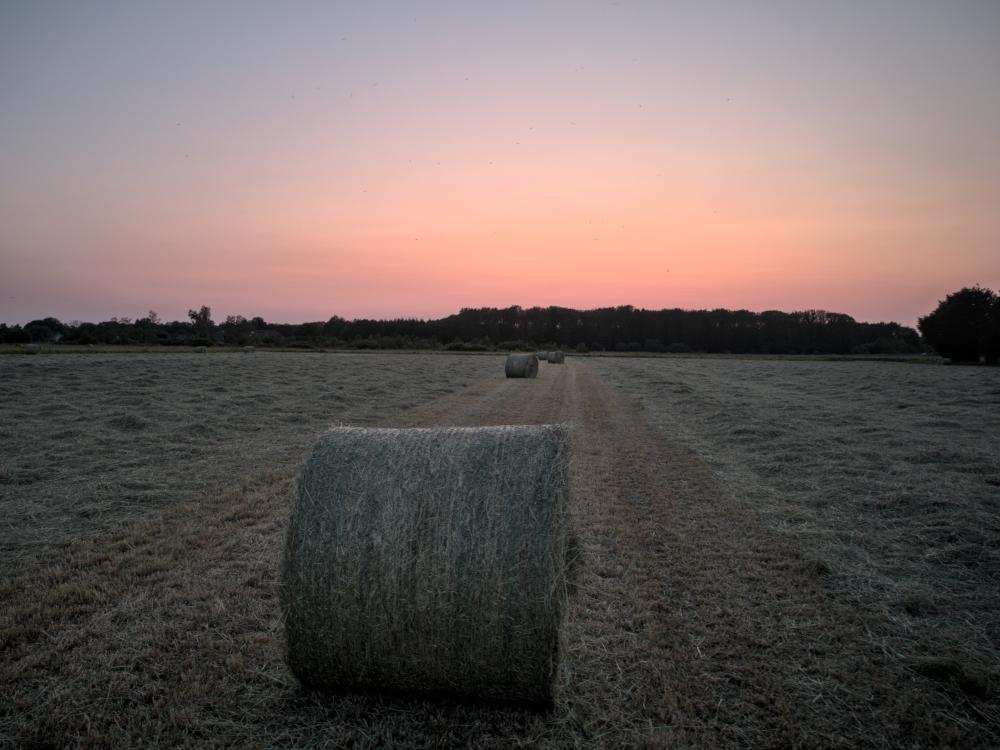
x: 521, y: 366
x: 429, y: 560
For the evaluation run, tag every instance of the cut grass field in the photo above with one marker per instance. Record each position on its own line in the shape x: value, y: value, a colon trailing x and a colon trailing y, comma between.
x: 701, y: 618
x: 87, y: 440
x: 887, y: 474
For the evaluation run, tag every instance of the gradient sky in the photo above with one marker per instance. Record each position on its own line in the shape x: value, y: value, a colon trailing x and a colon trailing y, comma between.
x: 299, y: 160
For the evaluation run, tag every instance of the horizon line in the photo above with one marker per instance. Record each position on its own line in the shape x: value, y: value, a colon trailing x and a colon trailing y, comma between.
x: 74, y: 322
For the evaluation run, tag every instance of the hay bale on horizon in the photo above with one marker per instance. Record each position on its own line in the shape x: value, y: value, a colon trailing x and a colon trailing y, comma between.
x: 201, y: 349
x: 521, y: 366
x: 429, y: 560
x: 556, y: 358
x: 248, y: 348
x: 542, y: 355
x: 32, y: 348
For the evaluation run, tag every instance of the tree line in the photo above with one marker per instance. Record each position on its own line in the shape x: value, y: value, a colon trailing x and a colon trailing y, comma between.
x: 623, y: 328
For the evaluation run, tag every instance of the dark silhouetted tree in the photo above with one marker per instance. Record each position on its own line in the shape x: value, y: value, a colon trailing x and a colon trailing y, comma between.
x: 147, y: 329
x: 47, y: 329
x: 965, y: 326
x: 201, y: 322
x: 238, y: 330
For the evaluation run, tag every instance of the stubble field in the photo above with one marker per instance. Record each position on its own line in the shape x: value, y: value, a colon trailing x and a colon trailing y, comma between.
x: 87, y: 441
x: 886, y: 474
x: 774, y: 553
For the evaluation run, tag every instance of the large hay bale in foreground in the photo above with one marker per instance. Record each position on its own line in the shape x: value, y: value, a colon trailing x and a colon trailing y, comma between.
x: 429, y: 560
x: 521, y: 366
x: 556, y: 358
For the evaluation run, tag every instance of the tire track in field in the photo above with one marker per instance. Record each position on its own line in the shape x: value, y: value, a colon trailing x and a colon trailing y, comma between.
x: 693, y: 624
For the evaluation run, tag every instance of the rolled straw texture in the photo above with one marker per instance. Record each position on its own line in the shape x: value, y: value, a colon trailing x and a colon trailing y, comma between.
x: 429, y: 560
x: 521, y: 366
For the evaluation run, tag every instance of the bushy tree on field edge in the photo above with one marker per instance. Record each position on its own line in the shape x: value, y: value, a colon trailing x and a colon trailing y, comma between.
x: 965, y: 327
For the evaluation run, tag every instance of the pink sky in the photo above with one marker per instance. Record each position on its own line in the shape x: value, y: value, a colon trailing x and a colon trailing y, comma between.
x: 381, y: 164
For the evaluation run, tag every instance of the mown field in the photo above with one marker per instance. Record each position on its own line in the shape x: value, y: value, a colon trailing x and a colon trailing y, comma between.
x: 775, y: 553
x: 87, y: 441
x: 887, y: 473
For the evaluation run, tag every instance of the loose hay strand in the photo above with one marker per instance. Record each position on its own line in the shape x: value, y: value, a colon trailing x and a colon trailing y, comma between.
x: 429, y: 560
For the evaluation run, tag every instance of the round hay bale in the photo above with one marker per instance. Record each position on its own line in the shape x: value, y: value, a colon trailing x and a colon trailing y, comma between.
x: 32, y: 348
x: 521, y: 366
x: 556, y: 358
x: 429, y: 560
x: 542, y: 355
x: 201, y: 349
x: 248, y: 348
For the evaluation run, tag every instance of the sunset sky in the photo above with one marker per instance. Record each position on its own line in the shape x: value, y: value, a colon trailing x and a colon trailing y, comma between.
x: 300, y: 160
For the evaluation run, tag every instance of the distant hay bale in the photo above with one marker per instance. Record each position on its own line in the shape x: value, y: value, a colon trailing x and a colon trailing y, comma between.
x: 556, y: 358
x: 32, y: 348
x: 429, y: 560
x: 521, y: 366
x: 201, y: 349
x: 542, y: 355
x: 248, y: 348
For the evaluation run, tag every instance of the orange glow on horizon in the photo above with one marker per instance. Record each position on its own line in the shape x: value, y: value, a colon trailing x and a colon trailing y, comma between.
x: 485, y: 158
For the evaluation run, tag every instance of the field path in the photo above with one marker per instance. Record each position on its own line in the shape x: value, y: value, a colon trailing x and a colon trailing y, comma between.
x: 692, y: 624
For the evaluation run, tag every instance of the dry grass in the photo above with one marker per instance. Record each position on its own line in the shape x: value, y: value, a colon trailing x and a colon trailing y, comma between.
x: 429, y: 560
x: 167, y: 632
x: 887, y: 474
x: 696, y: 620
x: 87, y: 440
